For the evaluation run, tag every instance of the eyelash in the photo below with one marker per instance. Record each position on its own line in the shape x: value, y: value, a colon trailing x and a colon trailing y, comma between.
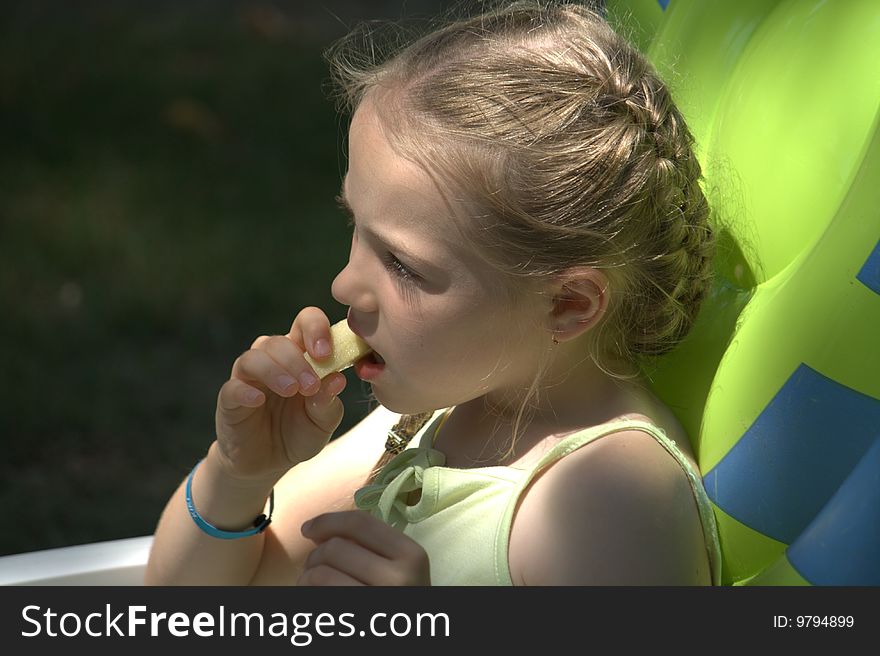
x: 402, y: 274
x: 399, y: 269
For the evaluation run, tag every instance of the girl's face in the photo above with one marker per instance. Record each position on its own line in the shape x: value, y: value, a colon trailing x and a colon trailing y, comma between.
x: 418, y: 295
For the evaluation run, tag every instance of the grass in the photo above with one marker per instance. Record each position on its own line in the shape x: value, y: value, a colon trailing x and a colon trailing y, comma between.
x: 167, y: 173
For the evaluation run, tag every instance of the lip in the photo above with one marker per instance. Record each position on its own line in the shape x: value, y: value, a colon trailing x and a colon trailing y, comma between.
x: 357, y: 331
x: 364, y: 369
x: 353, y: 326
x: 368, y: 370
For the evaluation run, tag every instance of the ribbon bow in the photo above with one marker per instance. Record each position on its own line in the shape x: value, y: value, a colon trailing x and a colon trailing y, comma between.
x: 400, y: 476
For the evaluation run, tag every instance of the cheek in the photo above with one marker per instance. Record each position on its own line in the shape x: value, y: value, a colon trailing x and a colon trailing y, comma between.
x: 449, y: 357
x: 467, y: 344
x: 428, y: 329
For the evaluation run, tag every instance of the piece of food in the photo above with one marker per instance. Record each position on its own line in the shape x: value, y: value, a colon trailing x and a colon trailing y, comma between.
x: 348, y: 348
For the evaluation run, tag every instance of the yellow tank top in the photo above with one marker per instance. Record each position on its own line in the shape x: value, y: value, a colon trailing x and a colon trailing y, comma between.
x: 463, y: 516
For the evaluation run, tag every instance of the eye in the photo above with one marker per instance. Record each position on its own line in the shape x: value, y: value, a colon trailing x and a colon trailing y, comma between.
x: 399, y: 269
x: 407, y: 282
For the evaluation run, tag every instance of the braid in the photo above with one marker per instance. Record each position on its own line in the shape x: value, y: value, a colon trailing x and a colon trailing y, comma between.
x: 398, y: 437
x: 676, y: 265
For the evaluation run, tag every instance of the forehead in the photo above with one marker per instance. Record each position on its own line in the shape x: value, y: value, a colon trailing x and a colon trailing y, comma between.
x: 383, y: 183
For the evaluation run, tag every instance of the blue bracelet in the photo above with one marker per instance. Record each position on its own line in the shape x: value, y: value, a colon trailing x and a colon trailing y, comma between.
x: 260, y: 523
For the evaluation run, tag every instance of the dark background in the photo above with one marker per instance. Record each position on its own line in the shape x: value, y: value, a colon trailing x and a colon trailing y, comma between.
x: 167, y: 173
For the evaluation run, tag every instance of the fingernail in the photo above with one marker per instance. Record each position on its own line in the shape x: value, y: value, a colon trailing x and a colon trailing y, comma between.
x: 252, y: 395
x: 336, y: 385
x: 285, y: 382
x: 307, y: 379
x: 322, y: 348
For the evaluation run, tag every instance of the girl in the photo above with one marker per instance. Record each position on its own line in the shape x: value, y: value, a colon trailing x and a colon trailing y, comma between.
x: 528, y: 227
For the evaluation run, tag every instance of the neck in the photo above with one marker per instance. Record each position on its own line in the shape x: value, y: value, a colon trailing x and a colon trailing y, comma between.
x: 574, y: 392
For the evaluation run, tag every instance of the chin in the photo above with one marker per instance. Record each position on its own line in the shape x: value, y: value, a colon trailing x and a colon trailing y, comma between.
x: 403, y: 404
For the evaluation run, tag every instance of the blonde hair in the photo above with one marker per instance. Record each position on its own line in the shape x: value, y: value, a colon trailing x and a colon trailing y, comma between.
x: 566, y: 145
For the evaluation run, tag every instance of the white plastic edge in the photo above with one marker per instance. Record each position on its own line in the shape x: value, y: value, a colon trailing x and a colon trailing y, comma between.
x: 115, y: 562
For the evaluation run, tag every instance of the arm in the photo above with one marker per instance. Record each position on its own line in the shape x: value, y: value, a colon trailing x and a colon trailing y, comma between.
x: 182, y: 554
x: 273, y: 422
x: 619, y: 511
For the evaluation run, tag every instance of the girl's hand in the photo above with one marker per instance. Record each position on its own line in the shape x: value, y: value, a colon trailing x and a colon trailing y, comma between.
x: 273, y: 412
x: 355, y: 548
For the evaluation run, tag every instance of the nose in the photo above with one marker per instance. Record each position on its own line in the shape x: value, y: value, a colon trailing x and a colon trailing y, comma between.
x: 353, y: 288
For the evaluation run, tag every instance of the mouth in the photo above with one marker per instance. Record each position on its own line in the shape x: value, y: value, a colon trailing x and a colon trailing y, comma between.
x: 372, y: 358
x: 369, y: 367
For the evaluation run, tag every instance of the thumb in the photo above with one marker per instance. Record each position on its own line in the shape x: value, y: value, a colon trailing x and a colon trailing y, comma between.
x: 325, y: 409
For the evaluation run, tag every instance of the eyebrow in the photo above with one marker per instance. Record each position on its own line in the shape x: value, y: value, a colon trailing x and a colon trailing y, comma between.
x: 387, y: 243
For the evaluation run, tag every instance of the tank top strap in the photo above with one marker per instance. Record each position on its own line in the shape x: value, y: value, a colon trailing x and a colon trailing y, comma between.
x: 581, y: 438
x: 576, y: 440
x: 427, y: 434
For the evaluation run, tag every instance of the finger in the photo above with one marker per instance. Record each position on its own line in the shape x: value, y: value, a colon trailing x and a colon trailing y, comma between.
x: 352, y: 559
x: 257, y: 368
x: 311, y: 330
x: 361, y: 527
x: 237, y: 398
x: 325, y: 409
x: 284, y: 351
x: 325, y: 575
x: 259, y: 341
x: 331, y: 387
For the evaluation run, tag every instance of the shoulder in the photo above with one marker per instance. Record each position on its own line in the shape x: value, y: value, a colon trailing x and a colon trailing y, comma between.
x: 617, y: 511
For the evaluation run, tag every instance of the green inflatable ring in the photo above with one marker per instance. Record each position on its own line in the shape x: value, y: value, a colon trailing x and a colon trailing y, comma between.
x: 779, y: 382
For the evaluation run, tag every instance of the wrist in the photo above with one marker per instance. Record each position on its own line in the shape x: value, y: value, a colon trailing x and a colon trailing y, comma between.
x: 259, y: 524
x: 224, y: 502
x: 230, y: 476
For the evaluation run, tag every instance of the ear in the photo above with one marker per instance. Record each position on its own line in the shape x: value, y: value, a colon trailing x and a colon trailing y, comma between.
x: 580, y: 298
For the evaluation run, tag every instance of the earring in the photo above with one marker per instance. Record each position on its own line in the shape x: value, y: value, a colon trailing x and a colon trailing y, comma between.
x: 555, y: 341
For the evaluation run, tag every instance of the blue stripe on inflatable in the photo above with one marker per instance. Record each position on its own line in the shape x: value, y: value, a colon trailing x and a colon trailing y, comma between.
x: 842, y: 545
x: 795, y: 456
x: 869, y: 276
